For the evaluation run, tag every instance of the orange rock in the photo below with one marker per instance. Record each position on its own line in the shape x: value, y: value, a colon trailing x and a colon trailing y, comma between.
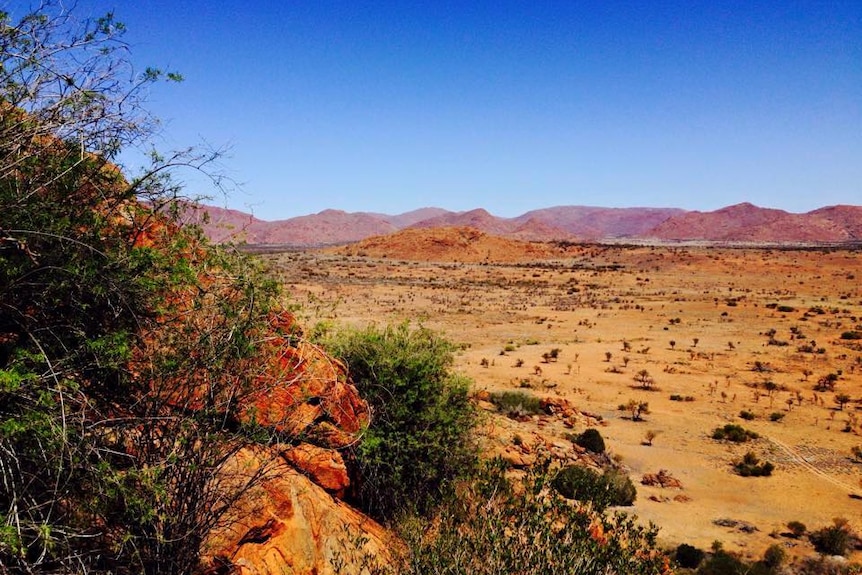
x: 323, y: 466
x: 287, y: 524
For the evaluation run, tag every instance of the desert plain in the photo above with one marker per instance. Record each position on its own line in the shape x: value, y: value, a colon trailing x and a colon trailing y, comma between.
x: 726, y: 335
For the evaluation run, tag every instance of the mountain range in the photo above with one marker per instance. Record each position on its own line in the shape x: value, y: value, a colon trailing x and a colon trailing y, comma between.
x: 738, y: 223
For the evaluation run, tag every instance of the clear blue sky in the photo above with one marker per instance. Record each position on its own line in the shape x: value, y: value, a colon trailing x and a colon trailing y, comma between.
x: 391, y: 106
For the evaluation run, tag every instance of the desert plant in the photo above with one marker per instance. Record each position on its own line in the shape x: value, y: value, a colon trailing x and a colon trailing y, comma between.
x: 420, y: 439
x: 832, y: 540
x: 841, y: 399
x: 636, y: 408
x: 689, y: 556
x: 733, y: 432
x: 591, y: 440
x: 797, y: 529
x: 602, y: 490
x: 489, y: 526
x: 747, y: 415
x: 649, y: 436
x: 751, y: 466
x: 774, y: 557
x: 517, y: 403
x: 644, y: 378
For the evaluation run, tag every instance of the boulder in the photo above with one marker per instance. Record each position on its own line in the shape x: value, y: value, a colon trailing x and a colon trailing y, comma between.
x: 286, y: 523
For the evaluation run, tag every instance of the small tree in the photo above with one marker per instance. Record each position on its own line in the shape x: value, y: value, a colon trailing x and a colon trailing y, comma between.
x: 637, y: 409
x: 644, y: 378
x: 649, y: 436
x: 608, y: 356
x: 841, y: 399
x: 672, y: 344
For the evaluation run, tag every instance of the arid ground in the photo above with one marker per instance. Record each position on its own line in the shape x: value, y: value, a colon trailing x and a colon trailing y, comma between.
x: 720, y: 331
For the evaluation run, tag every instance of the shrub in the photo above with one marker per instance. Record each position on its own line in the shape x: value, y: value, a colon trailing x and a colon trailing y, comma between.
x: 106, y: 299
x: 689, y: 556
x: 517, y: 403
x: 851, y: 335
x: 490, y: 527
x: 733, y: 432
x: 747, y: 415
x: 611, y: 488
x: 721, y: 562
x: 774, y: 557
x: 776, y: 416
x: 797, y: 529
x: 750, y: 466
x: 420, y: 437
x: 591, y: 440
x: 832, y: 540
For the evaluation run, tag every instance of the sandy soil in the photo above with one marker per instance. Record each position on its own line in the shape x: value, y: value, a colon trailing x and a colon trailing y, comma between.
x: 699, y: 320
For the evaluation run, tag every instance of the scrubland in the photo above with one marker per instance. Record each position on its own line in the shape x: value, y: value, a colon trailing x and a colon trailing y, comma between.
x: 702, y: 337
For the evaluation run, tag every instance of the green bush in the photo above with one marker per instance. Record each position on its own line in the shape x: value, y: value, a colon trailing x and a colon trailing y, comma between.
x: 420, y: 436
x: 750, y: 466
x: 603, y: 490
x: 108, y: 307
x: 489, y: 527
x: 517, y: 403
x: 591, y: 440
x: 747, y: 415
x: 733, y: 432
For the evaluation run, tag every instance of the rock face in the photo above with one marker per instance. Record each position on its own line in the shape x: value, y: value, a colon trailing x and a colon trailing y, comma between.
x: 291, y: 519
x: 288, y: 524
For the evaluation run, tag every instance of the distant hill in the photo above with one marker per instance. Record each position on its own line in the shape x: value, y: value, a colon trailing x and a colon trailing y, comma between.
x: 748, y: 223
x: 739, y: 223
x: 457, y: 244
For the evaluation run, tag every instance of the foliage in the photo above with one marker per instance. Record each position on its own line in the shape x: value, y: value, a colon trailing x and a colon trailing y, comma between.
x: 797, y: 528
x: 489, y: 526
x: 774, y: 557
x: 832, y: 540
x: 112, y: 320
x: 751, y: 466
x: 733, y: 432
x: 637, y: 408
x: 420, y: 437
x: 613, y: 487
x: 516, y: 403
x: 591, y: 440
x: 720, y: 562
x: 689, y: 556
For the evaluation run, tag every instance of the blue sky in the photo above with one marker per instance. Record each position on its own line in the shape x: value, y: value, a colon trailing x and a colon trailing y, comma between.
x: 511, y: 106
